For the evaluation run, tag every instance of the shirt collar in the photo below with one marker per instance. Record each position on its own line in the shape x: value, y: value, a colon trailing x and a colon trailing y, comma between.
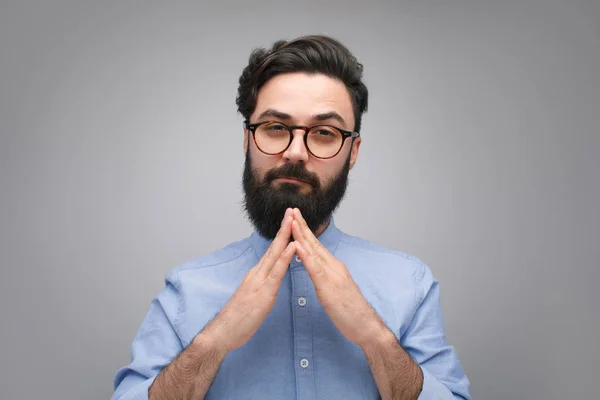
x: 329, y: 238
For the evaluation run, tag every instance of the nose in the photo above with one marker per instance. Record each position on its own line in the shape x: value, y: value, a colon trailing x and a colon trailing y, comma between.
x: 297, y: 150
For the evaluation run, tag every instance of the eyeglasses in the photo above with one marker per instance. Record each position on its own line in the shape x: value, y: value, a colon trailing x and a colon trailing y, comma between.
x: 322, y: 141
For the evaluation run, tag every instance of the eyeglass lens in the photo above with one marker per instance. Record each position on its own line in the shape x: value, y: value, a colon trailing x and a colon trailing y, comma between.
x: 322, y: 141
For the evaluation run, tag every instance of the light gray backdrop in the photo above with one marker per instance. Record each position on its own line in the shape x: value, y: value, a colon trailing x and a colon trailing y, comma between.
x: 121, y: 157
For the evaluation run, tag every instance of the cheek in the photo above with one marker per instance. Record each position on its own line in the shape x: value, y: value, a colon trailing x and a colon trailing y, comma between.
x: 261, y: 163
x: 327, y: 170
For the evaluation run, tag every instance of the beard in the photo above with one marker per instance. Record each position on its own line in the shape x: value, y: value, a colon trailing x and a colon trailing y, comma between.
x: 265, y: 204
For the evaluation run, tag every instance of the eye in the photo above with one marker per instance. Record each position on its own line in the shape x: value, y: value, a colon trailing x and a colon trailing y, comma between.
x: 323, y: 132
x: 275, y: 127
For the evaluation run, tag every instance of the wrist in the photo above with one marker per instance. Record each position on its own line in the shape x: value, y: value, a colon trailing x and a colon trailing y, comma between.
x: 381, y: 337
x: 209, y: 341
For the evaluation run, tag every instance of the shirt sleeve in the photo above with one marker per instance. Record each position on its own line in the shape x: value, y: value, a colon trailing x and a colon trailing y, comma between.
x: 425, y: 340
x: 153, y: 348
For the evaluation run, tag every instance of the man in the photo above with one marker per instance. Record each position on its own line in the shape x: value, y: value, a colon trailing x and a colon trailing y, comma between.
x: 298, y: 310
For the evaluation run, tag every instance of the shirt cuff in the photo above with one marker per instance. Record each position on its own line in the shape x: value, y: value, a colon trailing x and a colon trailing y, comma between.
x: 433, y: 389
x: 138, y: 392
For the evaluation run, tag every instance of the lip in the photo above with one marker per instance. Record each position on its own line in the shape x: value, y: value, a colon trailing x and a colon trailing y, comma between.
x: 291, y: 180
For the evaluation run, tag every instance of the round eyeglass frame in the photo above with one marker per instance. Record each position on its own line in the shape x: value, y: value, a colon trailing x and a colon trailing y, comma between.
x: 306, y: 129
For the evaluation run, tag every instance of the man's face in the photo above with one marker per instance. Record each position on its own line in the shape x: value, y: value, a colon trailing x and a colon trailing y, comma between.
x: 295, y: 178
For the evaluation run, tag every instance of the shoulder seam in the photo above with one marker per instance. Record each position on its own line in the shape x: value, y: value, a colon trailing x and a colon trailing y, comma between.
x: 191, y: 265
x: 176, y: 284
x: 382, y: 250
x: 419, y: 274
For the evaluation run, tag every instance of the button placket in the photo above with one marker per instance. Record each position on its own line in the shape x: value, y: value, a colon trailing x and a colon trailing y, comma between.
x: 303, y: 351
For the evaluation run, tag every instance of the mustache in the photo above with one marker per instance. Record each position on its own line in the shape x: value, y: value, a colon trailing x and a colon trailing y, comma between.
x: 293, y: 171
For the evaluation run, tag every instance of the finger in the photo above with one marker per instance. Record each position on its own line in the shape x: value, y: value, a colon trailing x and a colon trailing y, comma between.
x: 279, y: 243
x: 277, y: 273
x: 311, y: 242
x: 301, y: 223
x: 313, y: 263
x: 300, y: 237
x: 308, y: 234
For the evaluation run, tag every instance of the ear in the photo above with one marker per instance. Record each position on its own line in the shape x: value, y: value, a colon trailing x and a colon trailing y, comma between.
x: 245, y: 141
x: 354, y: 151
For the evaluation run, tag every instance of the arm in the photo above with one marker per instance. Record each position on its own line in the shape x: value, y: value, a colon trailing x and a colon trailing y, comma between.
x: 397, y: 376
x: 154, y: 346
x: 435, y: 372
x: 191, y: 373
x: 160, y: 368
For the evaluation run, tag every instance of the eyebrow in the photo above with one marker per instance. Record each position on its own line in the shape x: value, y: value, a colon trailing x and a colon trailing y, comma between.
x: 274, y: 113
x: 318, y: 117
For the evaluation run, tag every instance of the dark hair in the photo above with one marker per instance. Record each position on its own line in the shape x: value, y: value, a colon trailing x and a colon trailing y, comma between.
x: 312, y: 54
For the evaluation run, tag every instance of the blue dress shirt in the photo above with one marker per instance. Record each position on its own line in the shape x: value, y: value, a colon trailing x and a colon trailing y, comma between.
x: 297, y: 353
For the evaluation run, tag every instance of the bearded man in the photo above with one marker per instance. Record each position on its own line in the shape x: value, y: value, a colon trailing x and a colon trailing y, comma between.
x: 298, y: 310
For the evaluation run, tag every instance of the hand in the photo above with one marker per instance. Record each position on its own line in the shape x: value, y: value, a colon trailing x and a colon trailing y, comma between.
x: 336, y: 290
x: 243, y: 314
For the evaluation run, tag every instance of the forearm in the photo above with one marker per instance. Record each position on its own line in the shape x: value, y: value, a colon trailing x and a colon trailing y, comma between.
x: 190, y: 375
x: 397, y: 376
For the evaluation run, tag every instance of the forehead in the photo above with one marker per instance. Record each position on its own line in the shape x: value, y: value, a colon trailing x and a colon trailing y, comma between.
x: 303, y: 95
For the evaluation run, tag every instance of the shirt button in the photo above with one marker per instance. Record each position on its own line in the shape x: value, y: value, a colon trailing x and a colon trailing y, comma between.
x: 297, y: 259
x: 301, y: 301
x: 304, y: 363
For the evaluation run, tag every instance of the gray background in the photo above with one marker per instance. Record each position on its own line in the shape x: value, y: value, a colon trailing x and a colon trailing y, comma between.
x: 121, y: 157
